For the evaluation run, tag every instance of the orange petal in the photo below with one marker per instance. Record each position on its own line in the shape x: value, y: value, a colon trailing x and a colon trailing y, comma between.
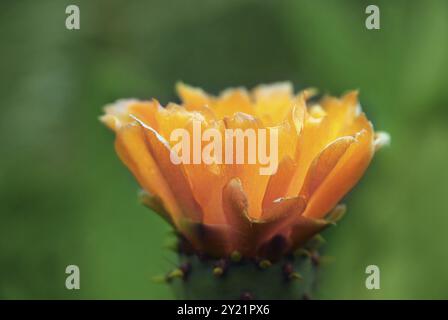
x: 342, y: 115
x: 279, y: 216
x: 118, y: 114
x: 192, y: 98
x: 337, y: 118
x: 310, y: 143
x: 273, y: 100
x: 252, y: 181
x: 252, y: 233
x: 174, y: 117
x: 298, y: 112
x: 278, y: 184
x: 173, y: 174
x: 232, y: 101
x: 235, y: 206
x: 132, y: 150
x: 206, y: 180
x: 324, y: 163
x: 154, y: 203
x: 344, y: 176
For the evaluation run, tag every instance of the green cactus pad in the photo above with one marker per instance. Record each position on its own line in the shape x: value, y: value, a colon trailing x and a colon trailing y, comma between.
x: 288, y: 278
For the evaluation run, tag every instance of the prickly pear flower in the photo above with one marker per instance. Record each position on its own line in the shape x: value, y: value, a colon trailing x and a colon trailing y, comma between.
x: 217, y: 207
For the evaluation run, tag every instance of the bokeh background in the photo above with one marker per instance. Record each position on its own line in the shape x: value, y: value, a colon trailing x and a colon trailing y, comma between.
x: 66, y: 199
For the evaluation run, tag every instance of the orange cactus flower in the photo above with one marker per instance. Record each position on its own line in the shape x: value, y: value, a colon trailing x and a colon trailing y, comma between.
x: 324, y: 148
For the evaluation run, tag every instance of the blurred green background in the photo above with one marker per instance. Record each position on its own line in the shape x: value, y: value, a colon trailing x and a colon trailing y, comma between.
x: 66, y: 199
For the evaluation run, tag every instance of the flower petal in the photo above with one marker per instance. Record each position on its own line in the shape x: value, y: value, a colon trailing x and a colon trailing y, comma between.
x: 324, y: 163
x: 282, y: 214
x: 132, y: 150
x: 235, y: 206
x: 154, y: 203
x: 337, y: 118
x: 279, y: 182
x: 192, y: 98
x: 253, y: 233
x: 173, y: 174
x: 344, y: 176
x: 252, y: 181
x: 232, y: 101
x: 273, y: 101
x: 118, y: 114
